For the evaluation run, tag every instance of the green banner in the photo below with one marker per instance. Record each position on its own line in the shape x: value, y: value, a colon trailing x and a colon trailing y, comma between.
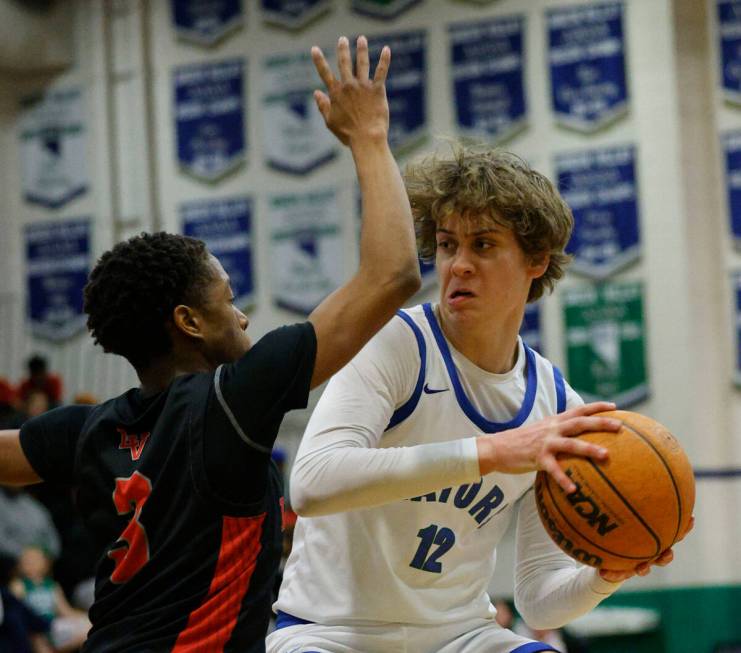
x: 605, y: 342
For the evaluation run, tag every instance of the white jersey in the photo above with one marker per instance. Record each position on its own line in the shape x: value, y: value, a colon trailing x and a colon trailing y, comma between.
x: 428, y: 556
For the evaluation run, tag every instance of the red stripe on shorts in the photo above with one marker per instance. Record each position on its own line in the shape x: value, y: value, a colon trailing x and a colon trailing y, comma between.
x: 210, y: 624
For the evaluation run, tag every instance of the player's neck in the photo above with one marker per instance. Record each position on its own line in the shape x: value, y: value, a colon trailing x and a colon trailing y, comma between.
x: 161, y: 372
x: 489, y: 344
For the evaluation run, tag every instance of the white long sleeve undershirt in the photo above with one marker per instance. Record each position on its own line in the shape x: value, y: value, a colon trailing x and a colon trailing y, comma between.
x: 341, y: 466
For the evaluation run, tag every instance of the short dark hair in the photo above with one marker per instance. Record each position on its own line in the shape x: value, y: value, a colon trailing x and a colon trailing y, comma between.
x: 134, y: 287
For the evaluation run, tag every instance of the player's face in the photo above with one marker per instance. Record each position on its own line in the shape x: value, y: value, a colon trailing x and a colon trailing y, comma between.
x: 224, y: 328
x: 484, y: 274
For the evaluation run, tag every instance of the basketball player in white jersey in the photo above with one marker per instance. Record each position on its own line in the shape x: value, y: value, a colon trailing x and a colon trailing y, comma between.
x: 423, y: 448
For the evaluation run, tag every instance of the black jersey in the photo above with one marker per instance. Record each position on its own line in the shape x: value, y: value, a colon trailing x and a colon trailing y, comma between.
x: 183, y: 499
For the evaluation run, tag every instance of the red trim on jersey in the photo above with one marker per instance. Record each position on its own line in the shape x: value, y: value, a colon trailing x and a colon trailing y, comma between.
x: 210, y: 625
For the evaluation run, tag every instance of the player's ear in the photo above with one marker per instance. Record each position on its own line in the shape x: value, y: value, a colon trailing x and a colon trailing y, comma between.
x: 539, y: 264
x: 187, y: 321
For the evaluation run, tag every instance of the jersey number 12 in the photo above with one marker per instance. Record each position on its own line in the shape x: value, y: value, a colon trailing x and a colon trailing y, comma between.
x: 432, y: 536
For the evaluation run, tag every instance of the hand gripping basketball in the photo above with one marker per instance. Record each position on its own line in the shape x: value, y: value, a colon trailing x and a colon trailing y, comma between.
x: 628, y: 509
x: 536, y: 446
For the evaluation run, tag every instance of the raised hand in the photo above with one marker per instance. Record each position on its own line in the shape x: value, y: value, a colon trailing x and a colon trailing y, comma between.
x: 536, y: 446
x: 354, y: 107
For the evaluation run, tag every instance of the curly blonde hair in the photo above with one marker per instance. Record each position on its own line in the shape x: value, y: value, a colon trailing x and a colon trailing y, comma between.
x: 480, y: 182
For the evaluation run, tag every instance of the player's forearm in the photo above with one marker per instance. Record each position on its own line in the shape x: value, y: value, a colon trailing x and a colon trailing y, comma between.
x: 551, y: 589
x: 388, y: 253
x: 14, y: 467
x: 341, y: 478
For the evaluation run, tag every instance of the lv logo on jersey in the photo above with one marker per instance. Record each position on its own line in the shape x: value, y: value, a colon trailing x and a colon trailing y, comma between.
x: 466, y: 497
x: 134, y: 442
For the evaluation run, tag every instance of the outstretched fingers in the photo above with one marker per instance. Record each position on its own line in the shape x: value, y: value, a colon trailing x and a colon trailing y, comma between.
x: 322, y: 67
x: 323, y: 104
x: 362, y: 62
x: 382, y: 69
x: 344, y: 59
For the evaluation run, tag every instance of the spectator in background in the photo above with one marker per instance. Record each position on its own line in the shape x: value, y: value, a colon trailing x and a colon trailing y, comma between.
x: 35, y: 585
x: 21, y: 630
x: 39, y: 378
x: 10, y: 416
x: 36, y: 403
x: 25, y: 522
x: 558, y: 638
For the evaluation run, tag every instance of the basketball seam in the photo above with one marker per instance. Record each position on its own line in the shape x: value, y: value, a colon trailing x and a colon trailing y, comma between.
x: 556, y: 505
x: 671, y: 476
x: 636, y: 514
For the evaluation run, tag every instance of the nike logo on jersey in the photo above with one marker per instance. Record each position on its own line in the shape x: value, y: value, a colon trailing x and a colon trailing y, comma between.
x: 432, y: 391
x: 134, y: 442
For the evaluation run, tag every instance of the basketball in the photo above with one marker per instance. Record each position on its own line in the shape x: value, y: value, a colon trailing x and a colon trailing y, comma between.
x: 627, y: 509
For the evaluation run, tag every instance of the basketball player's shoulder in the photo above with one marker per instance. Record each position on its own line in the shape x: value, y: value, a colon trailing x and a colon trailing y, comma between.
x: 400, y: 332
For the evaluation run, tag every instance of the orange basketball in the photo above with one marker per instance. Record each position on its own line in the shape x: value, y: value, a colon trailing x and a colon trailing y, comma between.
x: 628, y: 509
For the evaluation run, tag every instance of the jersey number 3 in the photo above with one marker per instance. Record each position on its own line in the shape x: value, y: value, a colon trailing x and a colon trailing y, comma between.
x: 441, y: 538
x: 131, y: 550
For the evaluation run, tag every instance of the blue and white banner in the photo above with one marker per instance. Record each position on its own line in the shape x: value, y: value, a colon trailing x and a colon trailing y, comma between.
x: 530, y: 330
x: 732, y: 152
x: 293, y: 14
x: 600, y: 187
x: 384, y: 9
x: 53, y: 147
x: 587, y: 61
x: 487, y: 65
x: 225, y: 225
x: 210, y: 118
x: 296, y: 138
x: 736, y: 285
x: 307, y: 250
x: 57, y: 268
x: 205, y: 22
x: 406, y: 87
x: 729, y: 27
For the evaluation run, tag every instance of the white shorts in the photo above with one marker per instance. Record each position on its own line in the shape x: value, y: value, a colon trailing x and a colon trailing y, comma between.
x: 474, y: 636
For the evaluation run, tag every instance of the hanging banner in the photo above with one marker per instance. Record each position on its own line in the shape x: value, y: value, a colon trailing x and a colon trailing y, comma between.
x: 53, y: 147
x: 206, y: 22
x: 736, y: 285
x: 530, y: 328
x: 225, y: 225
x: 384, y: 9
x: 406, y: 87
x: 57, y: 268
x: 296, y: 138
x: 732, y: 151
x: 729, y: 27
x: 210, y: 118
x: 307, y: 251
x: 601, y: 189
x: 487, y: 66
x: 293, y: 14
x: 587, y: 62
x: 605, y: 342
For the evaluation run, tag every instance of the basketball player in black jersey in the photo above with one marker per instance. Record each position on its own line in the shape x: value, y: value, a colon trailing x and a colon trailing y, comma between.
x: 174, y: 477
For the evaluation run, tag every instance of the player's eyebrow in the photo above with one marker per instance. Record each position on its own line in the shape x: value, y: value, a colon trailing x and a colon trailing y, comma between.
x: 478, y: 232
